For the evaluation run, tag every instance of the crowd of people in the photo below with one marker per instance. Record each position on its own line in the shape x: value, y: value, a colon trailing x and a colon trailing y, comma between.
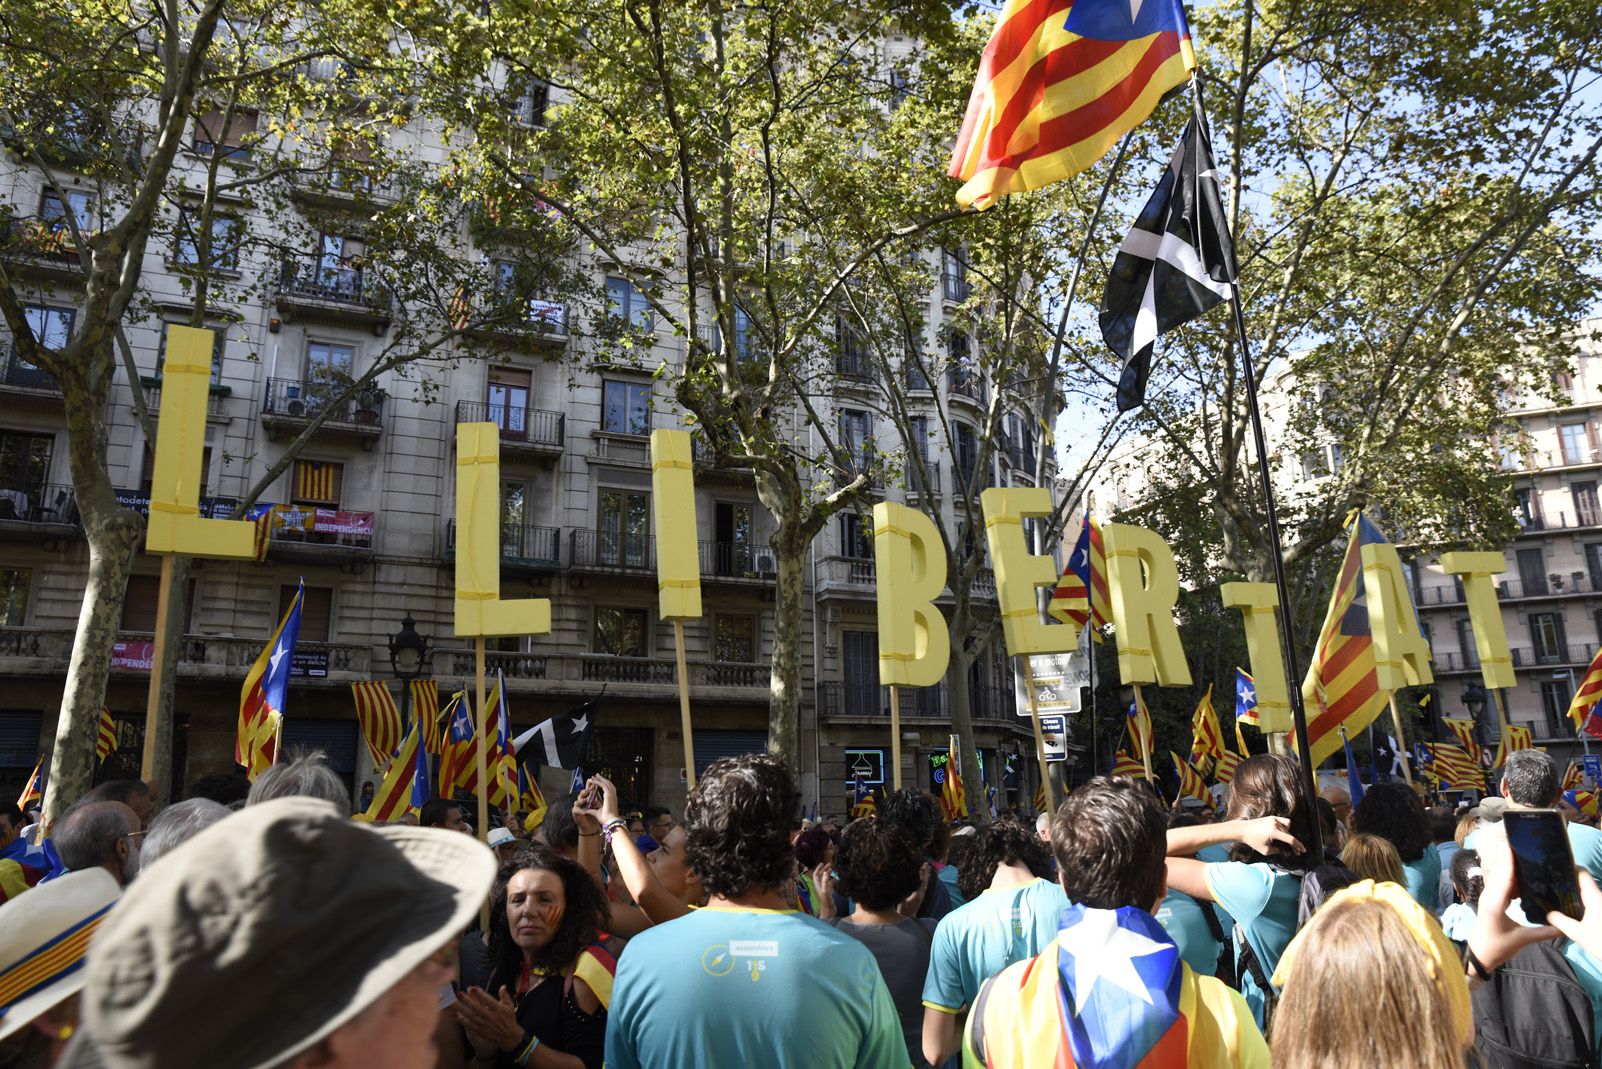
x: 259, y: 925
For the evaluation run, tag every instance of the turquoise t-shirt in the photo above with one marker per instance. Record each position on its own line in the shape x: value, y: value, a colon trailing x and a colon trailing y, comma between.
x: 753, y: 987
x: 1182, y: 918
x: 979, y: 939
x: 1424, y: 879
x: 1263, y: 903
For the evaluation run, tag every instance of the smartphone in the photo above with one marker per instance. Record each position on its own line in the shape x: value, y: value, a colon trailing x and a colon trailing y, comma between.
x: 1543, y: 863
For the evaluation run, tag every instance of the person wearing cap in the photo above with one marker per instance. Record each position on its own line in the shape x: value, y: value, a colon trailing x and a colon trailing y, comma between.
x: 503, y: 842
x: 288, y: 936
x: 1530, y: 780
x: 43, y: 940
x: 749, y: 980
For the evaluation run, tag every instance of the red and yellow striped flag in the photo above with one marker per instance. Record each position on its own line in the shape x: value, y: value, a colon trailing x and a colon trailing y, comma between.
x: 1341, y: 683
x: 106, y: 738
x: 1059, y: 83
x: 425, y: 710
x: 1191, y: 783
x: 1590, y: 690
x: 380, y: 721
x: 1206, y: 737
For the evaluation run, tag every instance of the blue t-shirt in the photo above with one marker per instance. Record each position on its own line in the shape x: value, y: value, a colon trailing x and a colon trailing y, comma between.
x: 978, y: 940
x: 1263, y: 903
x: 738, y: 987
x: 1424, y: 879
x: 1182, y: 918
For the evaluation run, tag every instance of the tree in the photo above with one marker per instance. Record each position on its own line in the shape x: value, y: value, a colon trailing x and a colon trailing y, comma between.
x: 168, y: 120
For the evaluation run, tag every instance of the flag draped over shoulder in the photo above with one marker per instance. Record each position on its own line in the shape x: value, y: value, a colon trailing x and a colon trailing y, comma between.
x: 1059, y: 83
x: 1206, y: 737
x: 379, y: 720
x: 106, y: 736
x: 1081, y: 593
x: 261, y: 699
x: 1177, y: 262
x: 406, y: 786
x: 1341, y: 683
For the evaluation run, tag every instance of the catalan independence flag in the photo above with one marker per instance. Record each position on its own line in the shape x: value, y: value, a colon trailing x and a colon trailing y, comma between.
x: 379, y: 720
x: 1341, y: 683
x: 261, y: 699
x: 1081, y: 593
x: 106, y: 737
x: 1059, y: 83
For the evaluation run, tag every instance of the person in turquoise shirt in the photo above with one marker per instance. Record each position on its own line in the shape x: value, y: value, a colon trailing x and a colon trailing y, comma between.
x: 1268, y: 821
x: 1530, y: 781
x: 1012, y: 913
x: 748, y: 980
x: 1394, y: 813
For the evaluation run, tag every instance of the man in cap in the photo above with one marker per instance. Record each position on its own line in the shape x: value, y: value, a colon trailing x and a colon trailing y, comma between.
x: 43, y: 940
x: 285, y: 935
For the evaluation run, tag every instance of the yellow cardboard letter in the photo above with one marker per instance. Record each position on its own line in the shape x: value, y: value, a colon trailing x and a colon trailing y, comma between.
x: 1143, y: 586
x: 175, y: 523
x: 1019, y: 573
x: 1485, y: 614
x: 678, y: 561
x: 480, y: 612
x: 914, y: 645
x: 1257, y: 602
x: 1401, y: 656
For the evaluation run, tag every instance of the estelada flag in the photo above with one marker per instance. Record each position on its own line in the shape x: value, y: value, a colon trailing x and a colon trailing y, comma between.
x: 1059, y: 83
x: 1341, y: 683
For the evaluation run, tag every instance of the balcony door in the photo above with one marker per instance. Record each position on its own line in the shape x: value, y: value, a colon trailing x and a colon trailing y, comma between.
x: 508, y: 398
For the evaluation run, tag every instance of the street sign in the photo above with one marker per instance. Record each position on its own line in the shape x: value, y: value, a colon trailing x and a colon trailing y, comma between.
x: 1593, y: 767
x: 1058, y: 679
x: 1054, y: 729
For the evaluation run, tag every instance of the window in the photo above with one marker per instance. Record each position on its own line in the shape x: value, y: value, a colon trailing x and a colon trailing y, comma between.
x: 626, y: 303
x: 52, y: 327
x: 620, y: 632
x: 14, y: 596
x: 1585, y: 504
x: 24, y: 468
x: 856, y: 438
x: 317, y: 482
x: 234, y: 139
x: 227, y: 233
x: 529, y: 99
x: 625, y: 407
x: 219, y: 343
x: 316, y: 611
x: 1546, y: 633
x: 508, y: 401
x: 80, y: 203
x: 734, y: 638
x: 856, y: 536
x: 1575, y: 447
x: 624, y: 535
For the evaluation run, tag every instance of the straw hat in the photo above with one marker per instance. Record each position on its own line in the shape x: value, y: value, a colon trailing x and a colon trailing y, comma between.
x: 44, y: 935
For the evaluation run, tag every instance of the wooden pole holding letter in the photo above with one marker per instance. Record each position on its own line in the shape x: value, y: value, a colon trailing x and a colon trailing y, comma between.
x: 684, y: 704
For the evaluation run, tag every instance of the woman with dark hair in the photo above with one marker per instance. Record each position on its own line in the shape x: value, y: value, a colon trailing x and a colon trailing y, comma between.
x: 1268, y: 821
x: 535, y: 990
x: 1394, y: 813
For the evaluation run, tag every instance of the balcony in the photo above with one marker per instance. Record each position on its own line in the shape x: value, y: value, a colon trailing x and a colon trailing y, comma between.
x: 40, y: 247
x: 315, y: 289
x: 200, y: 657
x: 707, y: 469
x: 39, y: 512
x: 216, y: 401
x: 526, y: 549
x: 737, y: 563
x: 24, y: 386
x: 852, y: 577
x: 589, y: 551
x: 320, y: 535
x: 527, y: 321
x: 291, y: 404
x: 524, y: 432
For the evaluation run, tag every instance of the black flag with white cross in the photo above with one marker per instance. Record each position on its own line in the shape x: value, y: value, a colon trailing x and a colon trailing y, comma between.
x: 1177, y: 262
x: 558, y: 742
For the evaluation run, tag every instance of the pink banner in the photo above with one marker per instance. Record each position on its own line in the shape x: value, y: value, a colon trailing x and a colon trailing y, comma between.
x: 136, y: 655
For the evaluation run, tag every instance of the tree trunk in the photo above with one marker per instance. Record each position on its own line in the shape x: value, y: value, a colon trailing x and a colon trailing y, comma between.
x: 171, y: 642
x: 784, y: 707
x: 113, y: 534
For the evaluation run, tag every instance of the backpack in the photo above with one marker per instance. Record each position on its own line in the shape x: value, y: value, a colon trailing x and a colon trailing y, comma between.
x: 1533, y: 1014
x: 1316, y: 885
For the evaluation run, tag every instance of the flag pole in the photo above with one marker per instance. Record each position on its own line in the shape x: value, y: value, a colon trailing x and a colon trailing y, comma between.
x: 483, y: 770
x: 895, y: 737
x: 684, y: 704
x: 1259, y: 440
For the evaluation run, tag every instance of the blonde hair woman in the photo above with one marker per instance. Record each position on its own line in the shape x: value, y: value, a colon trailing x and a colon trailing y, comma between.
x: 1373, y: 858
x: 1371, y: 981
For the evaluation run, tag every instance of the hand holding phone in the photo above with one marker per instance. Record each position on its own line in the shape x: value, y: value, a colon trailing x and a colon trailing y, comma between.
x: 1543, y: 863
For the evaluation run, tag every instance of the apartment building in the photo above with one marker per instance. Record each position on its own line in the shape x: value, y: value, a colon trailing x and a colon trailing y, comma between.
x: 364, y: 515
